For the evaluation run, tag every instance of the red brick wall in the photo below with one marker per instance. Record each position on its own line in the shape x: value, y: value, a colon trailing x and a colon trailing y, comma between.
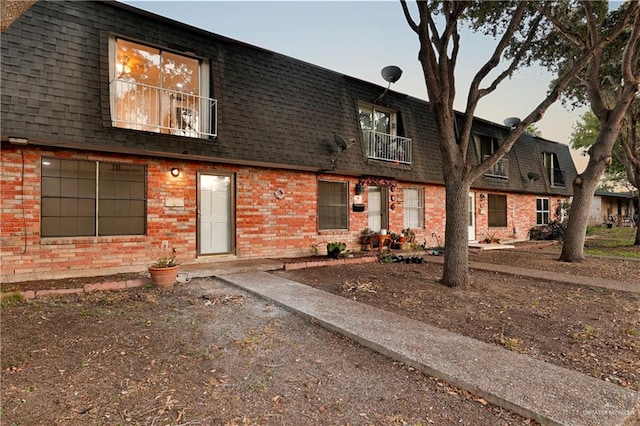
x: 521, y: 215
x: 266, y: 226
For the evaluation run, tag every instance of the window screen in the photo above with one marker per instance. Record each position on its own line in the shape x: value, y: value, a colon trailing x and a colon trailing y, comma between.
x: 497, y: 210
x: 89, y: 198
x: 333, y: 212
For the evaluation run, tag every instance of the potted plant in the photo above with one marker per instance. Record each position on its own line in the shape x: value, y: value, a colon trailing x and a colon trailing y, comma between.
x: 334, y: 249
x: 164, y: 272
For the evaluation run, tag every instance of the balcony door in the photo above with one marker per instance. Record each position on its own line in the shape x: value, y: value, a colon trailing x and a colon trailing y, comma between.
x: 215, y: 213
x: 158, y: 91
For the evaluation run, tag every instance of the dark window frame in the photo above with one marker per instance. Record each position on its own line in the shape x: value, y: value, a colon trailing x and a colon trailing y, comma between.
x: 75, y: 204
x: 497, y: 210
x: 335, y: 222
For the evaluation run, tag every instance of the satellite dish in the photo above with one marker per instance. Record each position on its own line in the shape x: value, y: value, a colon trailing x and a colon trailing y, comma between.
x: 391, y: 73
x: 341, y: 142
x: 533, y: 176
x: 511, y: 122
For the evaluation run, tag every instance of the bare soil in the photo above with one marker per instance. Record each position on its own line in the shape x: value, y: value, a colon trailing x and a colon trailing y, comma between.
x: 206, y: 353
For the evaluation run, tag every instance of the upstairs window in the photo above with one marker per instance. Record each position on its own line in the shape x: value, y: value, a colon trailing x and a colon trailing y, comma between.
x: 380, y: 136
x: 486, y: 147
x: 552, y: 169
x: 158, y: 91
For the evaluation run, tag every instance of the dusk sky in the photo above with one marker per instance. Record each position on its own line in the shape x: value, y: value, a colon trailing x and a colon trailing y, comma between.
x: 359, y: 38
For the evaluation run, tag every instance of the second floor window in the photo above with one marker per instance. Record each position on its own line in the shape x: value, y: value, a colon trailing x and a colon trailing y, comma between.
x: 552, y: 169
x: 487, y: 146
x: 159, y: 91
x: 380, y: 136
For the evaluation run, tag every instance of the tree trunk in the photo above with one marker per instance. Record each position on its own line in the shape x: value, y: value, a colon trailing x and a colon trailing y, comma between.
x: 584, y: 186
x: 456, y: 253
x: 573, y: 247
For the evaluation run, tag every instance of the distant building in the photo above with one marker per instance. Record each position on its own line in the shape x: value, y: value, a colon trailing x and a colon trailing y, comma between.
x: 617, y: 208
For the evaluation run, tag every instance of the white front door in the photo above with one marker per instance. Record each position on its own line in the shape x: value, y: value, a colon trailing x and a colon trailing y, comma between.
x: 376, y: 208
x: 472, y: 217
x: 215, y: 203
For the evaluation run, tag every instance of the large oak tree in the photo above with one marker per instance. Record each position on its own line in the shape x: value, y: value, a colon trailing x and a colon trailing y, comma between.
x: 517, y: 26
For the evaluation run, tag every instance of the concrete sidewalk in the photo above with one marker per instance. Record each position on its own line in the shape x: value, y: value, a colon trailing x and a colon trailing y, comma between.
x: 535, y: 389
x: 549, y: 275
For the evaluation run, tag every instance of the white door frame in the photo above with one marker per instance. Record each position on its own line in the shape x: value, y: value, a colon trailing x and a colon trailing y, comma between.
x: 229, y: 210
x: 471, y: 207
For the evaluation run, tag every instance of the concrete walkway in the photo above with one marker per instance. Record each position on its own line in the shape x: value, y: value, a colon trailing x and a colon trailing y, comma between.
x: 549, y: 275
x: 534, y: 389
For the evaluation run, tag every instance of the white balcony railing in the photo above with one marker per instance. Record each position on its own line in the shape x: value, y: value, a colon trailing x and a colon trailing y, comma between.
x: 385, y: 147
x: 499, y: 169
x: 154, y: 109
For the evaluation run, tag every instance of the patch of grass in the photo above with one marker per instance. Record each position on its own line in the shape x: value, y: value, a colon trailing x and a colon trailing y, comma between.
x: 616, y: 242
x: 12, y: 299
x: 622, y: 251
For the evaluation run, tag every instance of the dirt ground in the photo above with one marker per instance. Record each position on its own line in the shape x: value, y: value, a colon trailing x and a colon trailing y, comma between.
x: 206, y: 353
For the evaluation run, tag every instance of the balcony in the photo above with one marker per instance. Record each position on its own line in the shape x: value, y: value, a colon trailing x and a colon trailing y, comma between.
x: 385, y: 147
x: 154, y: 109
x: 499, y: 170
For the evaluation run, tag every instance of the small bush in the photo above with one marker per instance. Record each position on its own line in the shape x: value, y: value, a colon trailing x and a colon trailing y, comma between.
x: 552, y: 231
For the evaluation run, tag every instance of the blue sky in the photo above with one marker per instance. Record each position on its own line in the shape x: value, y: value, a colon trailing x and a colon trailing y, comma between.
x: 359, y: 38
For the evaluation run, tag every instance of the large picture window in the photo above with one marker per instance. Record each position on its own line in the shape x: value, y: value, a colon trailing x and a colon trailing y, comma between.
x: 413, y: 208
x: 91, y: 198
x: 159, y: 91
x: 333, y: 203
x: 542, y: 211
x: 497, y: 207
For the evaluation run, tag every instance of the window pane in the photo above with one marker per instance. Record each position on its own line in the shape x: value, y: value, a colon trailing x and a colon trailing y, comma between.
x: 332, y: 205
x: 69, y: 198
x: 122, y: 203
x: 50, y: 167
x: 366, y: 118
x: 413, y: 208
x: 382, y: 122
x: 497, y: 209
x: 51, y: 186
x: 542, y: 211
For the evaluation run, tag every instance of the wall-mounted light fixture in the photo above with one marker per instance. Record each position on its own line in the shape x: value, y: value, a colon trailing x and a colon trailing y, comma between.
x: 18, y: 141
x: 175, y: 172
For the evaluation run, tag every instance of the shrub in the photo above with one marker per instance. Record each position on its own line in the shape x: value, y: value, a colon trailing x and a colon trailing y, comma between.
x: 552, y: 231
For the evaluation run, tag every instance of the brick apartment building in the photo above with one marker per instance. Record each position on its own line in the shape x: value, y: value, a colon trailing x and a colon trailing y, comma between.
x: 126, y: 135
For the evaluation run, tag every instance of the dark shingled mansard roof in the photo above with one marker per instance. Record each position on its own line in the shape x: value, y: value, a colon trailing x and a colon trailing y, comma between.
x: 273, y: 110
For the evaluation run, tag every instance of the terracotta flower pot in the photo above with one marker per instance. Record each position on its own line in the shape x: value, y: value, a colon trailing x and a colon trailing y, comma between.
x: 164, y: 277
